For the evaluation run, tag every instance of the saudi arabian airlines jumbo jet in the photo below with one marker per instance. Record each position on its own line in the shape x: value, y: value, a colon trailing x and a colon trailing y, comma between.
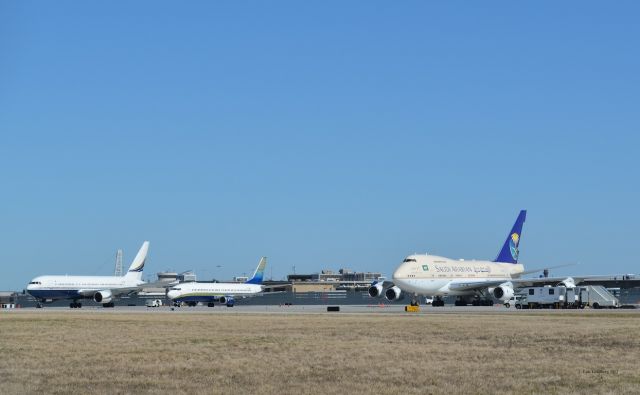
x: 469, y: 280
x: 224, y: 293
x: 102, y: 289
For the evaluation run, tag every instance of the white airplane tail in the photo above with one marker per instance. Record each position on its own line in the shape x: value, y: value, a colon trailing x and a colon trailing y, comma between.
x: 135, y: 270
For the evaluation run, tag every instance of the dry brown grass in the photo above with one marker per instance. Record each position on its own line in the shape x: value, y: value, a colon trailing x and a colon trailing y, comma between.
x: 323, y: 353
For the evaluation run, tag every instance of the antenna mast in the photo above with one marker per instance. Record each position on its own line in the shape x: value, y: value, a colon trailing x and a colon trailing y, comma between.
x: 118, y: 270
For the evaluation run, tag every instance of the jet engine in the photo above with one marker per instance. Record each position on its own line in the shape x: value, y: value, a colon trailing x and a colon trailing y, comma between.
x: 568, y: 282
x: 503, y: 292
x: 102, y: 296
x: 393, y: 293
x: 376, y: 290
x: 228, y: 300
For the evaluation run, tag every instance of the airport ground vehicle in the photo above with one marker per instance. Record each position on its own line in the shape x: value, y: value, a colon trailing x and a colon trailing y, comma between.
x: 561, y: 297
x: 515, y: 299
x: 154, y: 303
x: 597, y: 297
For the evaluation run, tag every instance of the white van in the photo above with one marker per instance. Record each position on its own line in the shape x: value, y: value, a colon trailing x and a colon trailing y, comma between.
x: 154, y: 303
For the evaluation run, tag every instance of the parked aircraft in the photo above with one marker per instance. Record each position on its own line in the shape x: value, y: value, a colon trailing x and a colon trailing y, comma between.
x: 225, y: 293
x: 469, y: 280
x: 102, y: 289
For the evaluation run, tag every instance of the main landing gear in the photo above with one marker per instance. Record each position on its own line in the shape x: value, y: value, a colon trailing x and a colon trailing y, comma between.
x: 210, y: 304
x: 75, y: 305
x: 438, y: 302
x: 476, y: 301
x: 108, y: 305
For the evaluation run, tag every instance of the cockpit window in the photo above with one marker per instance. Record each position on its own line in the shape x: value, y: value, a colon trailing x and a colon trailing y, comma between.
x: 409, y: 260
x: 176, y: 289
x: 35, y: 282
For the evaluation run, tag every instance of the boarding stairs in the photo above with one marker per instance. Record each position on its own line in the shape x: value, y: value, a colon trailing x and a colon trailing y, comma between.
x: 599, y: 296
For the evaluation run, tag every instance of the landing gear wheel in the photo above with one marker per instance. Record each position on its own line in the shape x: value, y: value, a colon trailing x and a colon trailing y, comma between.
x: 39, y: 305
x: 210, y: 305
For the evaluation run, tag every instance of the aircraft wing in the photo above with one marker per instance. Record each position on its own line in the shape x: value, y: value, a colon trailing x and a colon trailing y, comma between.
x: 533, y: 282
x: 159, y: 284
x: 516, y: 283
x: 385, y: 284
x: 114, y: 291
x: 87, y: 292
x: 475, y: 285
x: 541, y: 269
x: 126, y: 291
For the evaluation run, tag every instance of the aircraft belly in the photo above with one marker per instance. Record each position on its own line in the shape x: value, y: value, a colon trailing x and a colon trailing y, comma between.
x: 55, y: 293
x: 430, y: 287
x: 197, y: 298
x: 422, y: 286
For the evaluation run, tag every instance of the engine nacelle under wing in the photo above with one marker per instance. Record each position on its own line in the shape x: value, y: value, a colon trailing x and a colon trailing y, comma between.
x: 393, y: 293
x: 568, y: 282
x: 503, y: 292
x: 376, y: 290
x: 103, y: 296
x: 228, y: 300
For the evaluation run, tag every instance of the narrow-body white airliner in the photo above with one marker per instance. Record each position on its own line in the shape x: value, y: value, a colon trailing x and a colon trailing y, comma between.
x: 102, y: 289
x: 192, y: 293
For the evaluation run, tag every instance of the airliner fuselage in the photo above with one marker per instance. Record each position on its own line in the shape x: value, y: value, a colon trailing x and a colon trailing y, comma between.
x: 433, y: 275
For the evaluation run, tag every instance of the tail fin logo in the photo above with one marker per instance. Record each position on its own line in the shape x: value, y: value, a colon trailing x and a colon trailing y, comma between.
x: 139, y: 268
x: 513, y: 245
x: 259, y: 273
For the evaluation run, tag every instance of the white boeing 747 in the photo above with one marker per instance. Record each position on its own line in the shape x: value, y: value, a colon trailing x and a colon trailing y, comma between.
x: 225, y: 293
x: 102, y: 289
x: 469, y: 280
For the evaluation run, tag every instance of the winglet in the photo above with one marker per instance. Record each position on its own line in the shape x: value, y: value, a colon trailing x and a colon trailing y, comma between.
x: 259, y: 273
x: 509, y: 252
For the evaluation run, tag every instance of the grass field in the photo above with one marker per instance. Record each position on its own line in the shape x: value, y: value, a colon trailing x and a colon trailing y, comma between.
x: 76, y: 352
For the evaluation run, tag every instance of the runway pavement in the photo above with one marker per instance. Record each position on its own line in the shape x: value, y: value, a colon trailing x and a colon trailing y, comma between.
x: 313, y: 309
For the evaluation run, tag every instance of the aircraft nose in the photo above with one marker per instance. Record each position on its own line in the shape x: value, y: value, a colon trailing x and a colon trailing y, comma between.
x: 172, y: 294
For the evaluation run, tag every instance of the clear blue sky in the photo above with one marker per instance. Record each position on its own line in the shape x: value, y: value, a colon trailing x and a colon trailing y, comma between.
x: 322, y: 135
